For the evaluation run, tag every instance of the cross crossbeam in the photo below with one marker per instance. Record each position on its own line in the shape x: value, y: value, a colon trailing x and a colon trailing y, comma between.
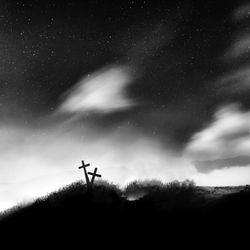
x: 84, y: 165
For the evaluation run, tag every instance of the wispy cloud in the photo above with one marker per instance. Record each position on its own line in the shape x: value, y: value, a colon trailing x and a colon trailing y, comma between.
x: 106, y: 89
x: 211, y: 165
x: 240, y: 46
x: 103, y: 91
x: 235, y: 82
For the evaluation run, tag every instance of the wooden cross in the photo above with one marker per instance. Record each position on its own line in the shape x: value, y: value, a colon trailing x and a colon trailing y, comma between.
x: 85, y: 172
x: 94, y: 175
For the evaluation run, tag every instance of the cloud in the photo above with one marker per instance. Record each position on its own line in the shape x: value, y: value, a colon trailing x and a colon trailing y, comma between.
x: 226, y: 137
x: 103, y: 91
x: 233, y: 176
x: 210, y: 165
x: 240, y: 47
x: 235, y: 82
x: 242, y: 12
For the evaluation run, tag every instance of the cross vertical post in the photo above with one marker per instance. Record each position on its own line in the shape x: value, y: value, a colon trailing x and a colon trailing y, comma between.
x: 85, y: 172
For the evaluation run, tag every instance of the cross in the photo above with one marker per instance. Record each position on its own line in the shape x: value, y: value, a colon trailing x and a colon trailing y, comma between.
x: 85, y: 172
x: 94, y: 175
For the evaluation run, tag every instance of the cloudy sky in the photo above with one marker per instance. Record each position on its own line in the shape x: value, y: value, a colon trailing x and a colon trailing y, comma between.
x: 139, y: 89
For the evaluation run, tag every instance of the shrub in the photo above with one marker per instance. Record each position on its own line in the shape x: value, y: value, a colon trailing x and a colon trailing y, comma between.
x: 152, y: 186
x: 142, y: 187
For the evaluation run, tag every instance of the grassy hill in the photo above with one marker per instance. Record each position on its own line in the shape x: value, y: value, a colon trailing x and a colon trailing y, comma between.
x: 150, y: 209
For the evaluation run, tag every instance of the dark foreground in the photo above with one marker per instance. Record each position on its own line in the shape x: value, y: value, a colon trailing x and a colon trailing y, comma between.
x: 174, y: 214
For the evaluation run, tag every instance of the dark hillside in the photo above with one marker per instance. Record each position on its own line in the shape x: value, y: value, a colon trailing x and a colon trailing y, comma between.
x: 75, y: 213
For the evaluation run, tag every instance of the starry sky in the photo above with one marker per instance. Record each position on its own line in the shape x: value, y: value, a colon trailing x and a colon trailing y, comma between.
x: 140, y: 89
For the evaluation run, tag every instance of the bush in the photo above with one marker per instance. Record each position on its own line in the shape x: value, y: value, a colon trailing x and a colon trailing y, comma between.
x: 153, y: 186
x: 142, y: 187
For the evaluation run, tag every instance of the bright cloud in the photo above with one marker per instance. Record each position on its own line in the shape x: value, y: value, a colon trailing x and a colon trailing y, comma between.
x: 103, y: 91
x: 227, y: 136
x: 233, y: 176
x: 221, y: 149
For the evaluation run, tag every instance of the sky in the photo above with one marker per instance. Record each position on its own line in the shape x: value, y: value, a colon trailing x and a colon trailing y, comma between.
x: 138, y: 89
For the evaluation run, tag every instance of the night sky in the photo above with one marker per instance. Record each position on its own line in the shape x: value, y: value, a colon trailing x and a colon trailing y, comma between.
x: 139, y: 89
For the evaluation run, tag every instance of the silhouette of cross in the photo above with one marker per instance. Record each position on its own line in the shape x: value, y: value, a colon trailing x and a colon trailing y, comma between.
x: 85, y: 172
x: 94, y: 175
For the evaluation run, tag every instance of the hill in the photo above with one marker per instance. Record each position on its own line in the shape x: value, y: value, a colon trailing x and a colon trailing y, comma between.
x: 152, y: 209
